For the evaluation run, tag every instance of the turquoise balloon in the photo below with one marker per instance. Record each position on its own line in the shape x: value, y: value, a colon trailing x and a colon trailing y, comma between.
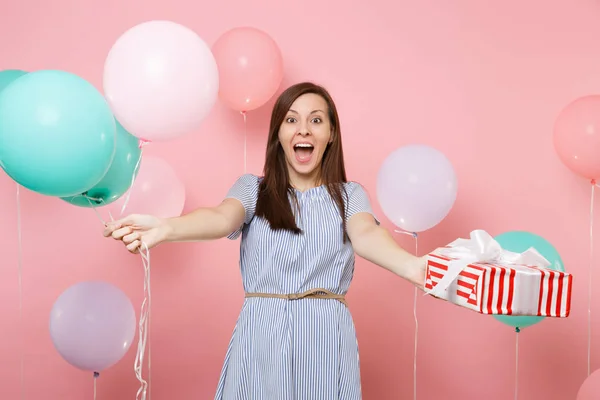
x: 8, y: 76
x: 119, y: 177
x: 57, y: 133
x: 519, y: 241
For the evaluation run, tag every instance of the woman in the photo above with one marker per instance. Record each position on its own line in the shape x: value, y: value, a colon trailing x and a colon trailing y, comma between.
x: 301, y: 225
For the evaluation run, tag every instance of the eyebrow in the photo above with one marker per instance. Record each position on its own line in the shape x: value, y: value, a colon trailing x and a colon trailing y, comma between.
x: 312, y: 112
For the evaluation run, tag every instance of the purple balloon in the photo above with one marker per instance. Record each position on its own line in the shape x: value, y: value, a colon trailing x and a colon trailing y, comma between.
x: 416, y: 187
x: 92, y: 325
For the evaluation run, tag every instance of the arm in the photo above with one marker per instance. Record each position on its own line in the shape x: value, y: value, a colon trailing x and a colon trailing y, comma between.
x: 375, y: 244
x: 201, y: 224
x: 206, y: 223
x: 227, y: 219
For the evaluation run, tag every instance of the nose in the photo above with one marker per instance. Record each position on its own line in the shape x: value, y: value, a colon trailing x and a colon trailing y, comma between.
x: 303, y: 130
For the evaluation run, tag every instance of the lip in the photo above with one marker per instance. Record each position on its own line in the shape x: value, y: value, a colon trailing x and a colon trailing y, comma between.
x: 302, y: 142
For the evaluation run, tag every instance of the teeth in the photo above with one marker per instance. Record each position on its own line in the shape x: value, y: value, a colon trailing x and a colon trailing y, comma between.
x: 303, y: 145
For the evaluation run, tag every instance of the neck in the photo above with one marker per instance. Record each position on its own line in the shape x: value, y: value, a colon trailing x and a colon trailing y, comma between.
x: 304, y: 182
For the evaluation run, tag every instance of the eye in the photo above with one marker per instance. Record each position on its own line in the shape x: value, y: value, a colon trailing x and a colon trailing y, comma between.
x: 317, y: 120
x: 290, y: 120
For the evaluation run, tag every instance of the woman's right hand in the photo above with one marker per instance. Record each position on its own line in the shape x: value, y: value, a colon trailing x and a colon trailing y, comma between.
x: 137, y: 228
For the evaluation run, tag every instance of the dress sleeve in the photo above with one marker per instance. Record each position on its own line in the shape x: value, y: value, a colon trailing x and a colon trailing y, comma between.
x: 358, y: 201
x: 245, y: 190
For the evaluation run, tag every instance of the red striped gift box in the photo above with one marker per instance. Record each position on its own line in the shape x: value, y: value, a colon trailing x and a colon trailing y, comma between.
x: 491, y: 288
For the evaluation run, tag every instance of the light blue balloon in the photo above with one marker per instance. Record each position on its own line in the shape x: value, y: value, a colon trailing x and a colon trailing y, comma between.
x: 57, y: 133
x: 120, y: 175
x: 519, y: 241
x: 8, y: 76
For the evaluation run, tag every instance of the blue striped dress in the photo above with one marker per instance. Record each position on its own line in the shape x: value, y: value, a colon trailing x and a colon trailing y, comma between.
x: 294, y: 349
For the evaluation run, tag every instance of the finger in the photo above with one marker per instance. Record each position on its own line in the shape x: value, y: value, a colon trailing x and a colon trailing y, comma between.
x: 134, y: 246
x: 109, y: 229
x: 123, y: 222
x: 120, y: 233
x: 130, y: 238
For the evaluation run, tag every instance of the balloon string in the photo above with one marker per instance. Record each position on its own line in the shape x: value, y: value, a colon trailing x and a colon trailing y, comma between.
x: 143, y: 324
x: 517, y: 330
x: 414, y: 235
x: 99, y: 201
x: 20, y: 280
x: 589, y: 346
x: 416, y: 332
x: 135, y: 171
x: 96, y: 375
x: 91, y: 200
x: 245, y: 141
x: 148, y: 328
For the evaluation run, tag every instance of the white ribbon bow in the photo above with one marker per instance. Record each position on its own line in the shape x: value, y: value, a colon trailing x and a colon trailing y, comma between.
x: 482, y: 248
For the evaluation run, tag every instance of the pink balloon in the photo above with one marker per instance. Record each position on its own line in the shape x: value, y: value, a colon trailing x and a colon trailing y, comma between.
x: 416, y: 187
x: 161, y: 80
x: 577, y: 136
x: 250, y: 68
x: 590, y: 390
x: 157, y: 190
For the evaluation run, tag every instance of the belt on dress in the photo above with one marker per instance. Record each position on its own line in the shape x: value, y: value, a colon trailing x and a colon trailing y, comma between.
x: 312, y: 293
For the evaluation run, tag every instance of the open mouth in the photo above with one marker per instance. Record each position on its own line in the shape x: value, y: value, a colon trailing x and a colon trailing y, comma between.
x: 303, y: 151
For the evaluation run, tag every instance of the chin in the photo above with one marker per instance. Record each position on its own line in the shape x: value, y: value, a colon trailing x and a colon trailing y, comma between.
x: 304, y: 170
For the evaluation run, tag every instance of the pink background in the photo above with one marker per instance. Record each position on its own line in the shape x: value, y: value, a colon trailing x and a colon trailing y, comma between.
x: 481, y: 81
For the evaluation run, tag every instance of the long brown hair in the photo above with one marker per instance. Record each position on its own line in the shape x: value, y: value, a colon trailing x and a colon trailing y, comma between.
x: 273, y: 203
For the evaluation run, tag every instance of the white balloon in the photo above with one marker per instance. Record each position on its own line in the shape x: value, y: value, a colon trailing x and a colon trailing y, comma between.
x: 416, y: 187
x: 161, y: 80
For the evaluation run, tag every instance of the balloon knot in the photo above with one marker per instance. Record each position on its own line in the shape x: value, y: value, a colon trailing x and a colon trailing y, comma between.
x: 142, y: 142
x: 96, y: 374
x: 593, y: 181
x: 95, y: 200
x: 517, y: 329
